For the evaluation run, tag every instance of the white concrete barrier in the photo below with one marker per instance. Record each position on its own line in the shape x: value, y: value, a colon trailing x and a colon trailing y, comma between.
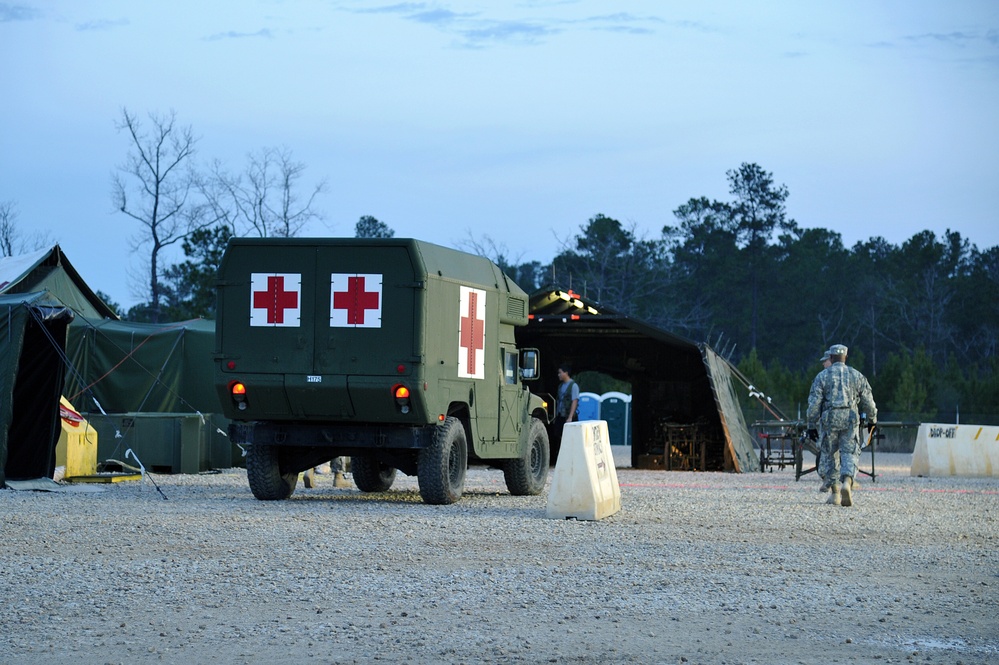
x: 956, y: 450
x: 584, y: 484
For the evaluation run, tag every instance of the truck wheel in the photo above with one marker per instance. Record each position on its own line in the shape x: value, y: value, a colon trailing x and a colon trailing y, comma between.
x: 527, y: 476
x: 370, y: 475
x: 263, y: 470
x: 441, y: 467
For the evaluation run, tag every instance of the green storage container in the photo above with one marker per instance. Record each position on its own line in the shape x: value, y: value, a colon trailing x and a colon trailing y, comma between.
x: 166, y: 442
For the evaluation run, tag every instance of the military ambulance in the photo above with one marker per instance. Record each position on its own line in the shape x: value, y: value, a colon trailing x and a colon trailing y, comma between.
x: 395, y: 352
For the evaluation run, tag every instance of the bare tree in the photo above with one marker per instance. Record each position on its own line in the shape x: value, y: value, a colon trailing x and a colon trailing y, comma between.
x: 486, y: 246
x: 528, y: 275
x: 156, y: 189
x: 263, y: 200
x: 9, y: 233
x: 12, y: 240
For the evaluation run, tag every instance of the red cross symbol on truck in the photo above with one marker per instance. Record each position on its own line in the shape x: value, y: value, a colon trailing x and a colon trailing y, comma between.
x: 355, y: 300
x: 471, y: 333
x: 274, y: 300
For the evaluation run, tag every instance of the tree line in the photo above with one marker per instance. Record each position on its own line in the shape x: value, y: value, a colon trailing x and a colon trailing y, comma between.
x: 921, y: 318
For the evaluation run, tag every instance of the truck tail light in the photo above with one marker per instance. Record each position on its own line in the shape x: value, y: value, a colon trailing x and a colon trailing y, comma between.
x: 401, y: 394
x: 237, y: 390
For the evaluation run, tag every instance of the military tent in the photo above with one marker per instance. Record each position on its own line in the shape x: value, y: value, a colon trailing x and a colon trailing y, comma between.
x: 143, y: 367
x: 119, y: 367
x: 684, y: 411
x: 139, y: 383
x: 127, y: 366
x: 33, y: 331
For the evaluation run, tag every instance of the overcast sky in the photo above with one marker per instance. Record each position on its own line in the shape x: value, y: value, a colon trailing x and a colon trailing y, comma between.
x: 513, y: 121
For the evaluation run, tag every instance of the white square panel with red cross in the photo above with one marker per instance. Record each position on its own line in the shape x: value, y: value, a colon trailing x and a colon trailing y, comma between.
x: 472, y: 334
x: 276, y: 299
x: 355, y: 301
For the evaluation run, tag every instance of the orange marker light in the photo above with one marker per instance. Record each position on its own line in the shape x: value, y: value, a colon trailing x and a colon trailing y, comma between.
x: 237, y: 388
x: 401, y: 392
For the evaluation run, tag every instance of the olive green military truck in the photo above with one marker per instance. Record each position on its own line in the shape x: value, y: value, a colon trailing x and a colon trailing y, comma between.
x: 395, y: 352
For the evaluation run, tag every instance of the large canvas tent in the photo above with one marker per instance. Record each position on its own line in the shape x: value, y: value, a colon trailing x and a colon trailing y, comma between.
x: 125, y: 366
x: 32, y: 343
x: 118, y: 367
x: 683, y: 403
x: 143, y: 367
x: 150, y: 379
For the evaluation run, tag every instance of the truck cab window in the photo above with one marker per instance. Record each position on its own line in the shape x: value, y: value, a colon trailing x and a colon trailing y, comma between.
x: 509, y: 366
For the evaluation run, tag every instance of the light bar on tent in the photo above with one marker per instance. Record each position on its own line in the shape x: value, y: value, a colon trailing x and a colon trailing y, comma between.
x: 572, y: 298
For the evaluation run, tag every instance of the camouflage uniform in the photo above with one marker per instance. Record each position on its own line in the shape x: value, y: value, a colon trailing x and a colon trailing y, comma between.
x: 827, y: 463
x: 837, y: 393
x: 826, y: 467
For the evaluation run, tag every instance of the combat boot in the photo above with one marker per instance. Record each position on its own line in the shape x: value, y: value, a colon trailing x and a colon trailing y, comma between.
x: 826, y: 485
x: 834, y: 499
x: 847, y: 491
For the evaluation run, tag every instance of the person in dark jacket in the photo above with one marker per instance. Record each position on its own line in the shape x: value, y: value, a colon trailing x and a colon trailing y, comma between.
x: 566, y: 403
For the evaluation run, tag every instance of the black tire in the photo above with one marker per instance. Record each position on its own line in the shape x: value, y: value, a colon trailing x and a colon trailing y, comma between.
x: 441, y: 467
x: 370, y: 475
x: 527, y: 476
x: 263, y: 470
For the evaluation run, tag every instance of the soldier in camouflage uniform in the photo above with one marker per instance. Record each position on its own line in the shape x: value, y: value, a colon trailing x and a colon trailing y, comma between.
x: 837, y: 393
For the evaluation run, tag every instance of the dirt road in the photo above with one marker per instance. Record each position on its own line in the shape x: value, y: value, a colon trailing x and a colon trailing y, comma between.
x: 696, y: 568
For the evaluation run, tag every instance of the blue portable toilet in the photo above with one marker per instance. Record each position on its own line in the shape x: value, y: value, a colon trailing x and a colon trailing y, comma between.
x: 615, y: 408
x: 588, y: 407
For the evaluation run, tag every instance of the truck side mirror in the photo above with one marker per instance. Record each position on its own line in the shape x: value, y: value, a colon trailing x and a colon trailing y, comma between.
x: 530, y: 360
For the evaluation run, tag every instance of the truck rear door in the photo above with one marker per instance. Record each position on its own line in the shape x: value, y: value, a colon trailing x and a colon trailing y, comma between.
x: 268, y: 313
x: 365, y: 323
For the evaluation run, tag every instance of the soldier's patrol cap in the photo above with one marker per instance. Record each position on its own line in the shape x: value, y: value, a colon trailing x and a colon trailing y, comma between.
x: 837, y: 350
x: 825, y: 357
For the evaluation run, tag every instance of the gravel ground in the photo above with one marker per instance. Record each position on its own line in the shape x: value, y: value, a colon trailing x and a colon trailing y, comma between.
x: 696, y: 568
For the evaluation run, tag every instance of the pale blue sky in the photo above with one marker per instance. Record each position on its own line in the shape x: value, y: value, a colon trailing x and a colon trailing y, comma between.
x: 514, y: 120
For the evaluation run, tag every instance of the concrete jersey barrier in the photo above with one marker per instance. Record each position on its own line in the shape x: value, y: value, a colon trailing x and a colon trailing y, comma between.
x: 956, y: 450
x: 584, y: 484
